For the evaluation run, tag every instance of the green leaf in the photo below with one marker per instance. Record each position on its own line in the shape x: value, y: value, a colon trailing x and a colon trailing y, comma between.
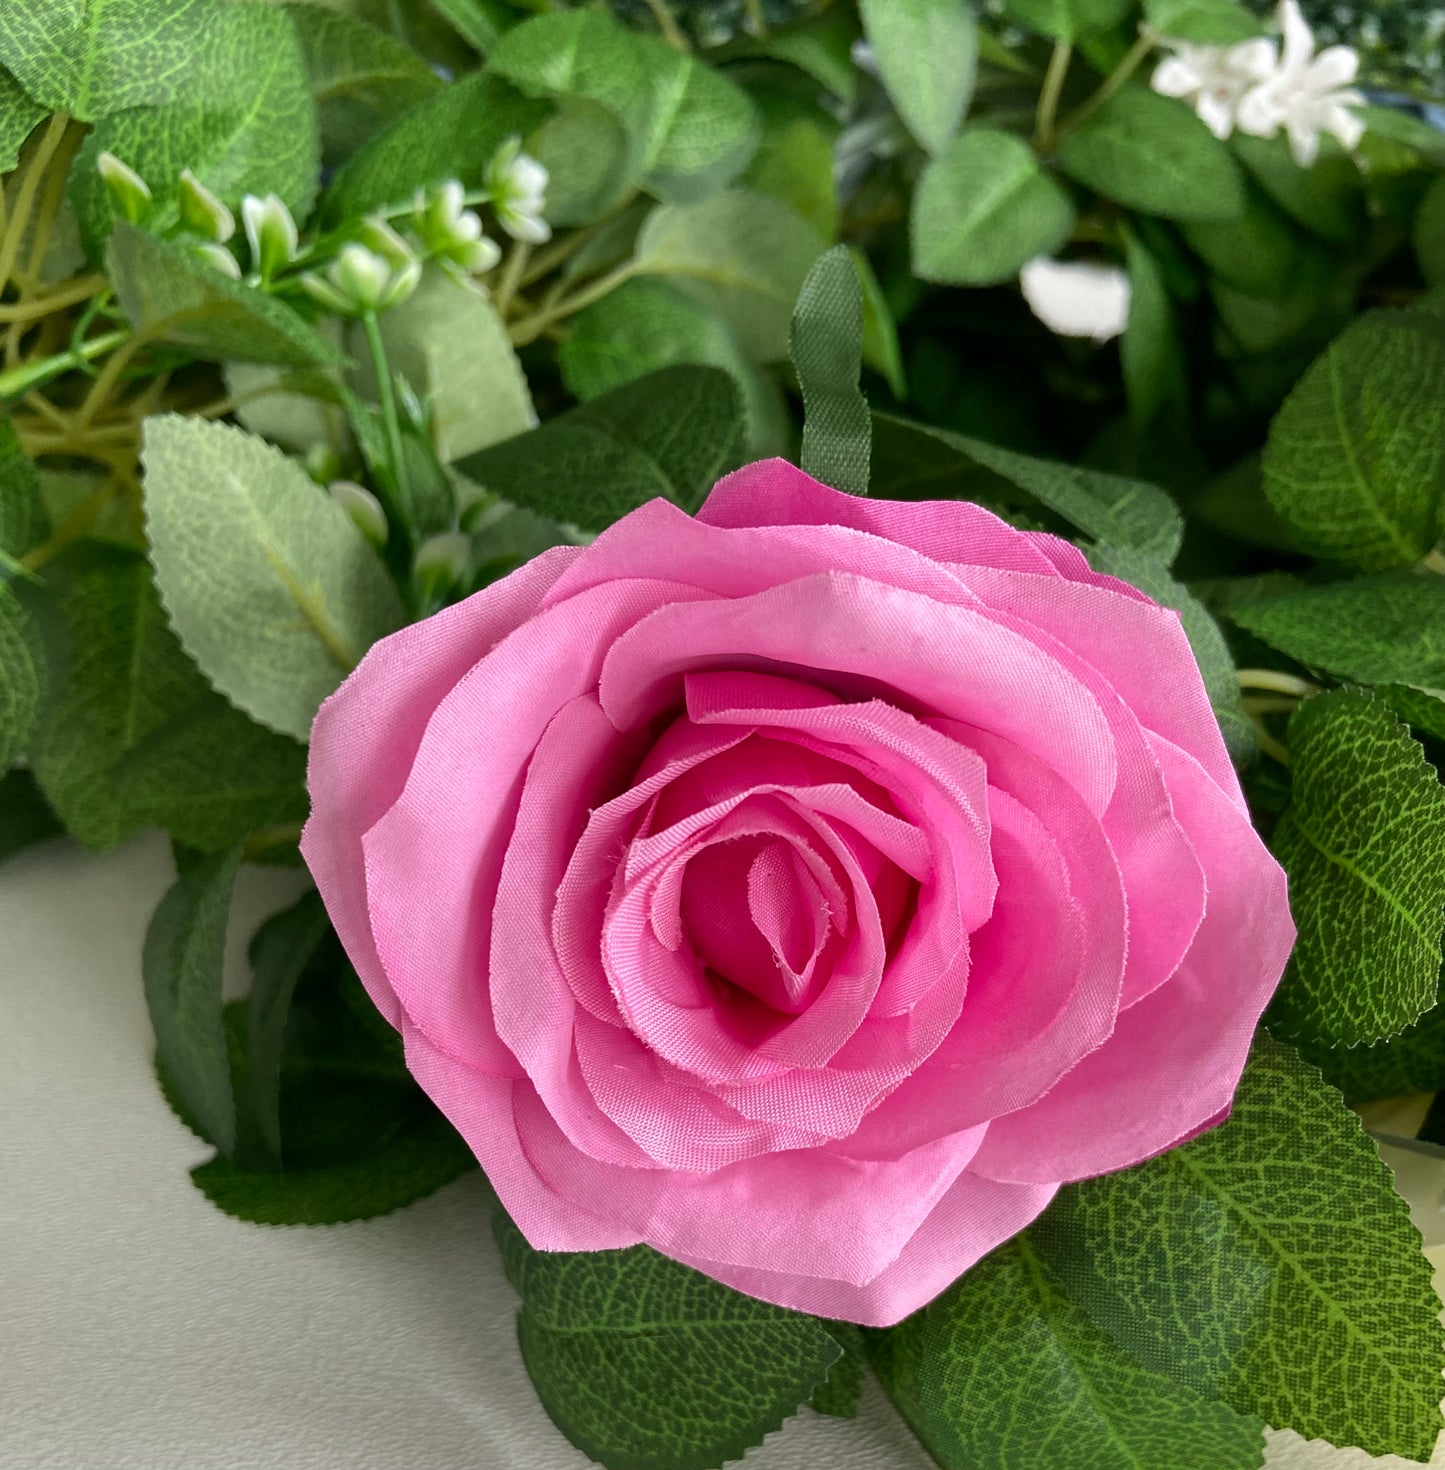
x: 182, y: 964
x: 648, y: 324
x: 23, y: 521
x: 1327, y: 199
x: 1422, y: 708
x: 272, y: 589
x: 132, y: 736
x: 1413, y: 1060
x: 645, y: 1364
x: 983, y: 209
x: 478, y: 22
x: 822, y: 48
x: 1356, y: 456
x: 1152, y: 153
x: 1268, y: 1263
x: 1067, y: 19
x: 740, y: 253
x: 591, y: 162
x: 22, y: 675
x: 280, y: 950
x: 670, y: 433
x: 451, y: 135
x: 91, y: 58
x: 927, y: 55
x: 881, y: 351
x: 1372, y: 630
x: 1211, y: 652
x: 1206, y: 22
x: 165, y: 290
x: 827, y: 355
x: 18, y: 116
x: 1257, y: 253
x: 793, y: 163
x: 25, y: 815
x: 1430, y: 233
x: 1004, y: 1370
x: 840, y: 1394
x: 248, y: 126
x: 1363, y: 841
x: 1151, y: 353
x: 449, y: 343
x: 360, y: 78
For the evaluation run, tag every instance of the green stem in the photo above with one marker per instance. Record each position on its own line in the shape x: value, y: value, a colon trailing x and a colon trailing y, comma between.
x: 387, y: 394
x: 511, y: 276
x: 662, y: 14
x: 1128, y: 65
x: 1053, y: 89
x: 1276, y: 682
x: 531, y: 327
x: 30, y: 375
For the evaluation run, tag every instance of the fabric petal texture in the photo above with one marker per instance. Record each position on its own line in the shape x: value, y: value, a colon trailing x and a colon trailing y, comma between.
x: 805, y: 889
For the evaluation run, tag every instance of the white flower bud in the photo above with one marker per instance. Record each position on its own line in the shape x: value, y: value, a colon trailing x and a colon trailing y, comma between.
x: 271, y: 233
x: 440, y: 562
x: 219, y: 259
x: 516, y: 185
x: 201, y: 212
x: 362, y: 276
x: 382, y: 240
x: 363, y: 508
x: 320, y: 290
x: 403, y: 282
x: 129, y: 194
x: 477, y: 257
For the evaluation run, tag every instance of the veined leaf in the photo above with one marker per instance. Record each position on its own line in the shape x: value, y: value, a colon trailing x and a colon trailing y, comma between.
x: 18, y: 115
x: 927, y: 52
x: 23, y: 521
x: 1206, y: 22
x: 1066, y: 19
x: 1413, y: 1060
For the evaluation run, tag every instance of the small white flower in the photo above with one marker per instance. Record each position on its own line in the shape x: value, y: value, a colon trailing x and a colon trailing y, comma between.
x: 1077, y: 298
x: 361, y: 281
x: 451, y: 231
x: 1307, y: 94
x: 1214, y: 79
x: 201, y: 212
x: 516, y: 185
x: 364, y: 509
x: 219, y: 259
x: 270, y: 232
x: 129, y: 194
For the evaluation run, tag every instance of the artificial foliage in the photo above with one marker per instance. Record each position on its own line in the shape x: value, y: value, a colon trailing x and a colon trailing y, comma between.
x: 318, y: 318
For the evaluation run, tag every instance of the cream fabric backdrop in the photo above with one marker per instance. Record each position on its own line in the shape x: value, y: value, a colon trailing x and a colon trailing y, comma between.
x: 142, y: 1330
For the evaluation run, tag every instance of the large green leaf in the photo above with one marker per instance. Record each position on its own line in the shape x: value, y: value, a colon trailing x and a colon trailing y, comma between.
x: 272, y: 589
x: 1356, y: 457
x: 1268, y: 1263
x: 983, y: 209
x: 182, y: 964
x: 1004, y: 1370
x: 1363, y: 841
x: 645, y: 1364
x: 252, y: 129
x: 1150, y: 350
x: 1257, y: 252
x: 743, y: 254
x: 18, y: 115
x: 1387, y: 629
x: 165, y: 290
x: 827, y: 342
x: 91, y: 58
x: 1413, y: 1060
x: 1152, y: 153
x: 927, y: 54
x: 1066, y: 19
x: 451, y: 135
x: 670, y: 433
x: 132, y: 736
x: 1430, y: 233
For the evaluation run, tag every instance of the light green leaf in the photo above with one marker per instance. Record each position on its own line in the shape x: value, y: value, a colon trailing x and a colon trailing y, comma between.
x: 648, y: 324
x: 1152, y: 153
x: 742, y: 254
x: 478, y: 22
x: 1363, y: 841
x: 1388, y: 629
x: 182, y: 964
x: 452, y: 135
x: 1206, y: 22
x: 671, y: 433
x: 822, y: 48
x: 91, y: 58
x: 1004, y: 1370
x: 22, y: 677
x: 250, y: 128
x: 25, y: 816
x: 1356, y: 457
x: 164, y: 289
x: 590, y: 160
x: 1430, y: 233
x: 1066, y: 19
x: 132, y: 736
x: 881, y: 351
x: 840, y: 1394
x: 1153, y: 359
x: 295, y: 408
x: 1268, y: 1263
x: 793, y: 163
x: 927, y: 54
x: 271, y: 587
x: 1327, y: 199
x: 983, y: 209
x: 23, y: 521
x: 645, y: 1364
x: 448, y: 342
x: 18, y: 115
x: 1413, y: 1060
x: 827, y: 340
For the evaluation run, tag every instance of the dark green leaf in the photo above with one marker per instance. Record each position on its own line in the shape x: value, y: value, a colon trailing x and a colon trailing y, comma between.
x: 793, y: 163
x: 1268, y: 1263
x: 163, y: 288
x: 1004, y: 1370
x: 1356, y: 457
x: 22, y: 675
x: 671, y: 433
x: 132, y: 736
x: 1066, y: 19
x: 1257, y: 252
x: 983, y: 209
x: 18, y: 115
x: 1152, y: 356
x: 840, y: 1394
x: 881, y: 351
x: 827, y: 355
x: 822, y: 48
x: 1430, y: 233
x: 1207, y: 22
x: 25, y: 815
x: 1363, y: 841
x: 1413, y: 1060
x: 646, y: 1365
x: 23, y: 521
x: 1152, y: 153
x: 478, y: 22
x: 1327, y: 199
x: 182, y: 964
x: 1424, y: 709
x: 927, y: 55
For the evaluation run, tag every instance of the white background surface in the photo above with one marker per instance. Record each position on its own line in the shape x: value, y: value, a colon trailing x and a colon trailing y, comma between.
x: 140, y: 1329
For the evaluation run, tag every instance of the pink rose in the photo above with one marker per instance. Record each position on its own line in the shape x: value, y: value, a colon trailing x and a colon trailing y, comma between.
x: 806, y: 889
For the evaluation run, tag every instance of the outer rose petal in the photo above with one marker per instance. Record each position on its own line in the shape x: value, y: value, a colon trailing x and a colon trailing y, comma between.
x: 1174, y: 1059
x: 366, y: 736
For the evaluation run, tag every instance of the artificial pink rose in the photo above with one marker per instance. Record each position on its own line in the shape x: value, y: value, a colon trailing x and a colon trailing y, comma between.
x: 806, y: 889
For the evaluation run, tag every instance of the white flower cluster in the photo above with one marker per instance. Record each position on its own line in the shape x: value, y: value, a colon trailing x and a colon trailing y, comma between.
x: 1261, y: 86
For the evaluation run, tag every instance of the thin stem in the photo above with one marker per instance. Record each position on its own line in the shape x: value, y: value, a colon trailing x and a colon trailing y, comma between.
x: 561, y: 251
x: 1276, y: 682
x: 511, y: 277
x: 57, y: 176
x: 1128, y: 65
x: 32, y: 375
x: 531, y: 327
x: 386, y: 392
x: 1269, y: 704
x: 35, y: 171
x: 72, y: 528
x: 1053, y: 88
x: 109, y: 376
x: 1267, y: 742
x: 671, y: 32
x: 71, y: 294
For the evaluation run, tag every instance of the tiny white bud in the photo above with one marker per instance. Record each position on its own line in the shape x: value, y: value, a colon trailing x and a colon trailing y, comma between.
x: 129, y: 194
x: 361, y: 276
x: 382, y: 240
x: 202, y: 212
x: 516, y: 185
x: 441, y: 560
x: 219, y: 259
x: 320, y: 290
x: 478, y: 256
x: 403, y: 282
x: 271, y: 233
x: 363, y: 508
